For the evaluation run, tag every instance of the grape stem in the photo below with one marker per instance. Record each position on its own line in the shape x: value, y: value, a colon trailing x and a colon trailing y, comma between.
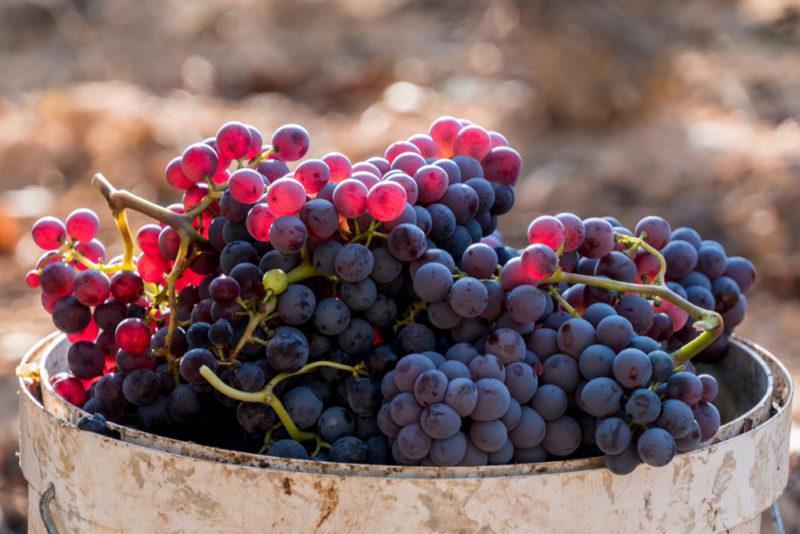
x: 563, y: 302
x: 256, y: 318
x: 119, y: 200
x: 710, y: 321
x: 267, y: 395
x: 172, y: 278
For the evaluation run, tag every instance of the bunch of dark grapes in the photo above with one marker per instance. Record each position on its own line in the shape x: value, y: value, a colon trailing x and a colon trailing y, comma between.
x: 377, y: 304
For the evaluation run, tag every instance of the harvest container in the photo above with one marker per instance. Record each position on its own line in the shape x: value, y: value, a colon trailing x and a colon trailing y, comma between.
x: 80, y: 481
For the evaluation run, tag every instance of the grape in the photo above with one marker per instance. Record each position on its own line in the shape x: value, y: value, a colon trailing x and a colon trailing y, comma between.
x: 742, y: 271
x: 487, y: 366
x: 192, y: 361
x: 462, y: 200
x: 303, y: 405
x: 638, y: 311
x: 613, y: 436
x: 708, y: 418
x: 549, y: 401
x: 453, y: 369
x: 382, y: 313
x: 462, y: 352
x: 575, y: 335
x: 224, y: 290
x: 614, y: 331
x: 386, y: 201
x: 503, y: 166
x: 285, y: 196
x: 493, y: 400
x: 685, y: 386
x: 735, y: 316
x: 296, y: 304
x: 546, y: 230
x: 232, y: 255
x: 81, y: 225
x: 657, y: 231
x: 386, y: 422
x: 441, y: 315
x: 479, y: 260
x: 449, y: 451
x: 691, y: 441
x: 430, y: 387
x: 416, y: 337
x: 431, y: 182
x: 320, y: 218
x: 700, y: 296
x: 233, y: 140
x: 291, y: 142
x: 412, y: 442
x: 287, y: 350
x: 468, y: 297
x: 440, y: 421
x: 57, y: 280
x: 506, y: 344
x: 385, y: 268
x: 726, y: 293
x: 601, y: 397
x: 689, y: 235
x: 530, y: 431
x: 562, y: 436
x: 543, y: 342
x: 710, y: 388
x: 444, y: 131
x: 656, y: 447
x: 681, y: 258
x: 598, y: 239
x: 349, y: 449
x: 472, y: 141
x: 141, y: 387
x: 632, y: 368
x: 246, y: 186
x: 595, y: 361
x: 406, y: 242
x: 288, y: 234
x: 456, y: 244
x: 199, y: 161
x: 183, y: 404
x: 539, y: 262
x: 488, y: 436
x: 443, y: 222
x: 526, y: 303
x: 248, y: 377
x: 616, y: 266
x: 175, y: 175
x: 432, y: 282
x: 85, y: 360
x: 521, y: 381
x: 676, y: 417
x: 287, y: 448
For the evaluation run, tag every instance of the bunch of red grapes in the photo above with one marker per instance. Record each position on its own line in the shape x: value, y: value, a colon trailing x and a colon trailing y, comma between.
x: 379, y: 304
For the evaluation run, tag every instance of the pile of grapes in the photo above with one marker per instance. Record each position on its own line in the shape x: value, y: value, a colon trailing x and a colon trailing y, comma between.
x: 372, y: 313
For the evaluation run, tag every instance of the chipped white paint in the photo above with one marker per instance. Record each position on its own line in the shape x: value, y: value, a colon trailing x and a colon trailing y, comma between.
x: 140, y: 483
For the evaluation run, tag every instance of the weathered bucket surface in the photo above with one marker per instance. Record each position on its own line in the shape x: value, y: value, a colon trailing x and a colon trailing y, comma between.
x: 143, y: 483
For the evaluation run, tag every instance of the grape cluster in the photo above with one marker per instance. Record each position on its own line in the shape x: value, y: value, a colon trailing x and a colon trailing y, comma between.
x: 370, y: 312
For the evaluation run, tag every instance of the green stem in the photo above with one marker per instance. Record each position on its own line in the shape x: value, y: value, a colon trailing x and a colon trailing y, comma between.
x: 301, y: 272
x: 563, y: 302
x: 177, y: 269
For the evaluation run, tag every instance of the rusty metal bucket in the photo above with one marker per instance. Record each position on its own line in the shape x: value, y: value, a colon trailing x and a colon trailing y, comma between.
x: 84, y: 482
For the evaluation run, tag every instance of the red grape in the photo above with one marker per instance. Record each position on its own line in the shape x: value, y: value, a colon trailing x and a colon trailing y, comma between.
x: 49, y: 233
x: 546, y: 230
x: 256, y: 144
x: 92, y: 288
x: 408, y: 162
x: 382, y: 164
x: 313, y: 174
x: 498, y: 139
x: 57, y: 279
x: 573, y: 231
x: 363, y: 166
x: 233, y: 140
x: 175, y: 176
x: 426, y: 145
x: 153, y: 268
x: 472, y: 141
x: 93, y: 250
x: 87, y: 334
x: 259, y: 220
x: 291, y: 142
x: 386, y: 201
x: 82, y: 224
x: 503, y: 165
x: 32, y: 279
x: 133, y: 336
x: 339, y: 166
x: 400, y: 147
x: 127, y: 286
x: 366, y: 178
x: 147, y: 238
x: 69, y: 388
x: 432, y: 182
x: 194, y: 196
x: 285, y: 196
x: 350, y: 198
x: 199, y: 161
x: 539, y: 261
x: 512, y: 274
x: 407, y: 183
x: 246, y: 186
x: 444, y: 131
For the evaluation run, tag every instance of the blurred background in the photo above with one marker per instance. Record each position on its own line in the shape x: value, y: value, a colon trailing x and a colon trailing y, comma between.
x: 685, y: 109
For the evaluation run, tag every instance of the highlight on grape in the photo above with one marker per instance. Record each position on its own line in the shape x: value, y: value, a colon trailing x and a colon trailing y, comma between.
x: 370, y: 311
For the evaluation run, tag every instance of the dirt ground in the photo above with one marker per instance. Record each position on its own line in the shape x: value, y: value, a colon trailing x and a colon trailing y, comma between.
x: 686, y: 109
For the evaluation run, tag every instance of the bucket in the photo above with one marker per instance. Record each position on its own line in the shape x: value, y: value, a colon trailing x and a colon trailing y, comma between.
x: 80, y: 481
